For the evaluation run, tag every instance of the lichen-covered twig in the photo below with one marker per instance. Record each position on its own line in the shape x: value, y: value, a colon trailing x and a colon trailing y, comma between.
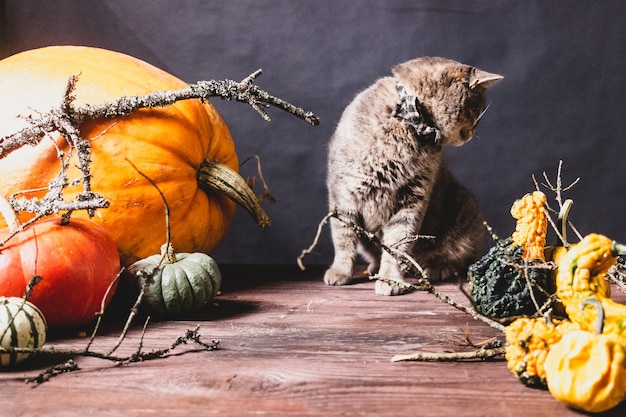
x: 56, y: 119
x: 482, y: 353
x: 190, y: 336
x: 46, y: 374
x: 67, y: 118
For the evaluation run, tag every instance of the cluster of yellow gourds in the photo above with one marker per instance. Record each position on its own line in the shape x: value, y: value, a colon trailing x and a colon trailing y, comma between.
x: 586, y: 369
x: 581, y: 359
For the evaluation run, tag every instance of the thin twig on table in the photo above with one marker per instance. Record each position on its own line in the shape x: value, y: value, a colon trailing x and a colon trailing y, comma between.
x: 482, y: 353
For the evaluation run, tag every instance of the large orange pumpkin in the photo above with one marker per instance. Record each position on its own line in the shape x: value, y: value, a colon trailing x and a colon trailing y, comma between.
x: 168, y: 145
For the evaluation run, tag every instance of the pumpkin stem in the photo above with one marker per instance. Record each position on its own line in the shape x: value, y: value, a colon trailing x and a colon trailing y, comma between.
x: 598, y: 305
x: 167, y: 253
x: 548, y: 315
x: 6, y: 210
x: 222, y: 178
x: 562, y: 221
x: 618, y: 249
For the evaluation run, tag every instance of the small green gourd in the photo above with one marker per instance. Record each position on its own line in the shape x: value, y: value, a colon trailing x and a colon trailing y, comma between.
x: 176, y: 284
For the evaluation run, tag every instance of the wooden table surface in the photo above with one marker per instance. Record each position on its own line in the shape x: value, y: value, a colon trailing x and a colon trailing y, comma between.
x: 289, y: 346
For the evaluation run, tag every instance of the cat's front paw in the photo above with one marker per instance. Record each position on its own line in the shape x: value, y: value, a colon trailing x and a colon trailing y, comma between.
x: 390, y: 287
x: 336, y: 277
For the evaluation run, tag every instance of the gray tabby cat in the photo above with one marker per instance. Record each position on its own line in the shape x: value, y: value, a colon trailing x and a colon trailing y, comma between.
x: 386, y: 173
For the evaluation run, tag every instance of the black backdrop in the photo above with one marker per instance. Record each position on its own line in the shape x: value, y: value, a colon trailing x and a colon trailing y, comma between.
x: 562, y: 97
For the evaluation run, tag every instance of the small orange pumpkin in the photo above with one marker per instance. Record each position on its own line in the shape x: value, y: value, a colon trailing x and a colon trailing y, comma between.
x: 77, y: 263
x: 170, y: 145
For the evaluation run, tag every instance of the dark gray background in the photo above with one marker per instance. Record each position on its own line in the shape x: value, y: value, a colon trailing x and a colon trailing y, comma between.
x: 562, y: 97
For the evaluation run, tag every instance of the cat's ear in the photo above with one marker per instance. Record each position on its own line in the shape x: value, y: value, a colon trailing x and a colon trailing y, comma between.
x: 483, y: 79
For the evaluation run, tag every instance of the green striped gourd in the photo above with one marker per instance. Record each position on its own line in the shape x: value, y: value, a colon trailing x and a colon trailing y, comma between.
x: 21, y: 326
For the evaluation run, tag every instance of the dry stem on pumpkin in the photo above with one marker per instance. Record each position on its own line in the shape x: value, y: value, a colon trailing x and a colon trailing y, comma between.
x: 221, y: 178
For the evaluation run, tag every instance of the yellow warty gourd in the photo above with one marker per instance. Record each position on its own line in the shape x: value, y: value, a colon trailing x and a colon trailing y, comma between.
x: 532, y: 225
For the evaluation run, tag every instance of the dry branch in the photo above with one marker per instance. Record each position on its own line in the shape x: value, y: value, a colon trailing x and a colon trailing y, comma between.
x: 482, y: 353
x: 407, y: 264
x: 57, y: 119
x: 67, y: 118
x: 190, y: 336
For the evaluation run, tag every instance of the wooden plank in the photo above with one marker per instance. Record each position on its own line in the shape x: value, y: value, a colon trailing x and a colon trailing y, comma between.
x: 290, y: 346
